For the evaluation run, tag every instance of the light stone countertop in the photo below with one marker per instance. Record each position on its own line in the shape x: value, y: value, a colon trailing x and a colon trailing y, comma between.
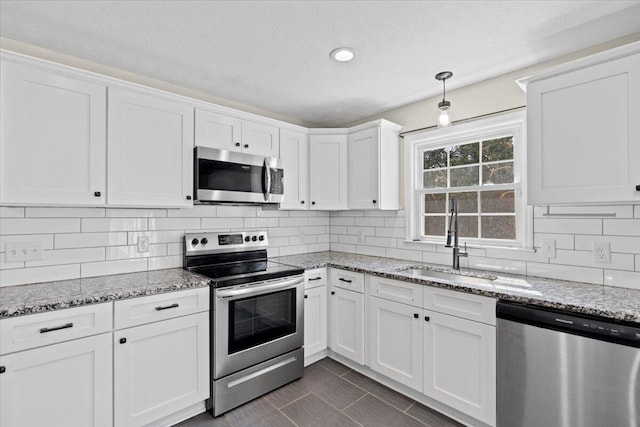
x: 597, y: 300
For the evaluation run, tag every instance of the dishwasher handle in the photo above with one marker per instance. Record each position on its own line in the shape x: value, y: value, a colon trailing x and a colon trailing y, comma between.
x: 603, y: 329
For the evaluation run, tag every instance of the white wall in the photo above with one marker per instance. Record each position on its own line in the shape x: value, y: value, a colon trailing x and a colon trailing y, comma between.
x: 86, y: 242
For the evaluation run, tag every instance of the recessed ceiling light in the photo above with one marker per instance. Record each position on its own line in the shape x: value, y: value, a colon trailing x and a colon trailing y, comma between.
x: 342, y: 54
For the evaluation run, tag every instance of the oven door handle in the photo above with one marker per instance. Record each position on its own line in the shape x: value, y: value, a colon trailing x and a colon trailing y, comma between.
x: 267, y: 179
x: 255, y: 290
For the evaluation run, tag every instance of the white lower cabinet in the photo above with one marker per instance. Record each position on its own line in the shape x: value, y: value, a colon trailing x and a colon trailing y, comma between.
x: 347, y: 324
x: 460, y: 365
x: 315, y: 321
x: 160, y: 368
x: 67, y: 384
x: 395, y: 347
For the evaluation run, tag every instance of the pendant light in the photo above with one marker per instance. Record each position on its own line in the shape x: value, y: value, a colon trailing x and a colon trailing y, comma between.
x: 443, y: 119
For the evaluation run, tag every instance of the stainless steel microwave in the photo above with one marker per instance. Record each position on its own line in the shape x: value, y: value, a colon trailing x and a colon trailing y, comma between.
x: 222, y: 176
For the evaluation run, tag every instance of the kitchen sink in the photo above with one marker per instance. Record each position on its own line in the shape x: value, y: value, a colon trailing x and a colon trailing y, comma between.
x: 426, y: 273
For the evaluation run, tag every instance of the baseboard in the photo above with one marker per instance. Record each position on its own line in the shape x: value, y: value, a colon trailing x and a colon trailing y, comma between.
x: 176, y: 417
x: 313, y: 358
x: 409, y: 392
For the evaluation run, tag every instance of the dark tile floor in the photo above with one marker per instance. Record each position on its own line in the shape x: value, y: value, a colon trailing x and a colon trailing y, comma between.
x: 329, y: 394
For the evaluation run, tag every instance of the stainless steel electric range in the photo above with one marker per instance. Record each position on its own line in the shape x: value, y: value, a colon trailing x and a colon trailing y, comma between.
x: 257, y: 316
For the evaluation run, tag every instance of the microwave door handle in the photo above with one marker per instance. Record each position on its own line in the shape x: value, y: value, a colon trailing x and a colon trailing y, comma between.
x: 267, y: 179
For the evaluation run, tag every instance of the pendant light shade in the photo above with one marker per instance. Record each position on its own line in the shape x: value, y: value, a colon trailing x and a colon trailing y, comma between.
x: 444, y: 105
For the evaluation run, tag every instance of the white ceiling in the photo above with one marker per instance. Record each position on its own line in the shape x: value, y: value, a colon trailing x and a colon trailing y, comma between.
x: 275, y: 54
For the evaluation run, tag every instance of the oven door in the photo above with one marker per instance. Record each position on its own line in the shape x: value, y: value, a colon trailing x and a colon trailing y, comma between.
x: 228, y: 176
x: 256, y: 322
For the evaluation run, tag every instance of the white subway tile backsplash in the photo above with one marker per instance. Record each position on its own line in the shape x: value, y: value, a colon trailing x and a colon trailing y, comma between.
x: 317, y: 229
x: 568, y: 225
x: 293, y: 249
x: 370, y: 250
x: 386, y: 242
x: 622, y: 227
x: 338, y: 229
x: 283, y: 231
x: 175, y: 249
x: 11, y: 212
x: 167, y: 236
x: 563, y: 241
x: 4, y: 265
x: 346, y: 220
x: 394, y: 222
x: 623, y: 244
x: 319, y: 247
x: 565, y: 272
x: 370, y: 221
x: 45, y: 239
x: 343, y: 247
x: 122, y: 266
x: 271, y: 213
x: 68, y: 256
x: 303, y: 213
x: 351, y: 213
x: 346, y: 238
x: 403, y: 254
x: 278, y: 241
x: 267, y: 222
x: 158, y: 263
x: 320, y: 220
x: 636, y: 211
x: 221, y: 223
x: 293, y: 221
x: 501, y: 265
x: 138, y: 213
x: 367, y: 231
x: 515, y: 254
x: 236, y: 211
x: 39, y: 225
x: 65, y: 212
x: 443, y: 258
x: 88, y: 240
x: 624, y: 279
x: 390, y: 232
x: 585, y: 258
x: 620, y: 211
x: 130, y: 252
x: 23, y: 276
x: 113, y: 224
x: 198, y: 211
x: 176, y: 223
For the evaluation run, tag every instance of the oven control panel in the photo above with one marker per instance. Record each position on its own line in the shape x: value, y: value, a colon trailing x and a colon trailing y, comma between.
x: 202, y: 243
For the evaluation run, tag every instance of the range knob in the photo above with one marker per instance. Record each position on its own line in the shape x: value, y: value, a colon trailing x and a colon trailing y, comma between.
x: 204, y: 241
x: 261, y: 238
x: 194, y: 242
x: 246, y: 239
x: 254, y: 238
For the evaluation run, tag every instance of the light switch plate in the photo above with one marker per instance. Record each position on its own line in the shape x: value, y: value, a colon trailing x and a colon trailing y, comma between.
x: 143, y: 244
x: 23, y: 251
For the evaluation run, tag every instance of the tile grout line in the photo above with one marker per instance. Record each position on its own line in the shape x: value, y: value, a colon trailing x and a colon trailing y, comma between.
x: 293, y: 401
x: 354, y: 402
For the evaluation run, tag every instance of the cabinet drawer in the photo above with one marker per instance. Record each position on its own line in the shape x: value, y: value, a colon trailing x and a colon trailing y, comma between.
x: 395, y: 290
x: 35, y: 330
x: 314, y: 278
x: 138, y: 311
x: 460, y: 304
x: 347, y: 280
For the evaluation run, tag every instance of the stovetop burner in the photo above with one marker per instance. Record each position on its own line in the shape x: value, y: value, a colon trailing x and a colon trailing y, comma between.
x: 230, y: 259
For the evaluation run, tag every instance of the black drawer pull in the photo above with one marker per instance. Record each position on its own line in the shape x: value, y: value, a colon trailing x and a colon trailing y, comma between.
x: 313, y: 203
x: 374, y: 202
x: 188, y: 197
x: 302, y: 202
x: 306, y: 296
x: 637, y: 187
x: 427, y: 318
x: 56, y: 328
x: 237, y: 144
x: 97, y: 194
x: 166, y: 307
x: 3, y: 369
x: 246, y: 145
x: 123, y: 340
x: 416, y: 315
x: 314, y: 279
x: 345, y: 280
x: 333, y: 292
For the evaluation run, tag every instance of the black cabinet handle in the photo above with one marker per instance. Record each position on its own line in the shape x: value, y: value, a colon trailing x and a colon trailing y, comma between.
x: 302, y: 202
x: 56, y: 328
x: 345, y: 280
x: 123, y: 340
x: 313, y: 279
x: 237, y: 144
x: 166, y: 307
x: 637, y: 187
x: 313, y: 203
x: 306, y: 296
x: 333, y: 292
x: 374, y: 202
x: 3, y: 369
x: 97, y: 193
x: 416, y: 315
x: 188, y: 197
x: 246, y: 145
x: 427, y: 318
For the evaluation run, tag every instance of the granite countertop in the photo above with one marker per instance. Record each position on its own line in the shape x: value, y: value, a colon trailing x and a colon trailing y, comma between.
x: 598, y: 300
x: 46, y: 296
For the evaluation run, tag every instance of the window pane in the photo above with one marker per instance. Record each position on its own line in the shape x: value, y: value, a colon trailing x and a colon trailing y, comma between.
x: 435, y: 179
x: 434, y: 225
x: 497, y: 201
x: 465, y: 154
x: 498, y: 173
x: 497, y: 149
x: 435, y: 159
x: 435, y: 203
x: 467, y: 201
x: 499, y: 227
x: 468, y: 226
x: 464, y: 176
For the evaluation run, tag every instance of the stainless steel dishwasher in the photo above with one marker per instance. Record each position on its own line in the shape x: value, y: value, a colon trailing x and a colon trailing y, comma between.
x: 557, y: 369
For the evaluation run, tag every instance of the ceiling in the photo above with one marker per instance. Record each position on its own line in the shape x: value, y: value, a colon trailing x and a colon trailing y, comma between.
x: 275, y: 54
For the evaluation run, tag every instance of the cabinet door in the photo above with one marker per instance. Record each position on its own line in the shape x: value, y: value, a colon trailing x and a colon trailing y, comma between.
x: 347, y: 324
x: 460, y: 365
x: 215, y: 130
x: 150, y: 156
x: 395, y: 346
x: 294, y: 152
x: 315, y: 320
x: 363, y: 169
x: 67, y: 384
x: 261, y: 140
x: 584, y: 136
x: 160, y: 368
x: 328, y: 172
x: 53, y: 138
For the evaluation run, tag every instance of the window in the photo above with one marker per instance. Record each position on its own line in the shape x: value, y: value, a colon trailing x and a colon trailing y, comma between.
x: 480, y: 164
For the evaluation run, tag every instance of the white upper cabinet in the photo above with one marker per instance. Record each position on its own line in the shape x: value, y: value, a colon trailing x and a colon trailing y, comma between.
x: 328, y: 172
x: 294, y: 152
x: 150, y: 156
x: 215, y: 130
x: 53, y: 137
x: 374, y: 166
x: 584, y: 132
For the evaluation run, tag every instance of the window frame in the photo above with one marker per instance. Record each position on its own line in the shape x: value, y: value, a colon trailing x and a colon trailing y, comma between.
x: 512, y: 123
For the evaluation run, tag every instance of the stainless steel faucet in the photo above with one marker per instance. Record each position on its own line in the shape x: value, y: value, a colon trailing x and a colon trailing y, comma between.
x: 453, y: 231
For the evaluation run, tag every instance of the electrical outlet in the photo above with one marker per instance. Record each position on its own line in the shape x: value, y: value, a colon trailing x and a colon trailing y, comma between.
x: 601, y: 252
x: 143, y: 244
x: 23, y: 251
x: 549, y: 248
